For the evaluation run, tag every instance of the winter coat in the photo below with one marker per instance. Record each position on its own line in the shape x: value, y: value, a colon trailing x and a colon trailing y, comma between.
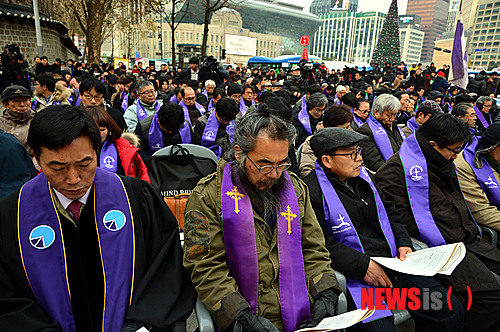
x: 372, y: 157
x: 17, y: 124
x: 131, y: 161
x: 440, y: 82
x: 477, y: 85
x: 59, y: 97
x: 452, y: 218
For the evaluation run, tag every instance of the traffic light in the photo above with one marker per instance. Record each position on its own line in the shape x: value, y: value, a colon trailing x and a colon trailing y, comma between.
x: 223, y: 56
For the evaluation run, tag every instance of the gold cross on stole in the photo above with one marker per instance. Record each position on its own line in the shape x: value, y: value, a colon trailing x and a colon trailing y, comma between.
x: 289, y: 217
x: 236, y: 196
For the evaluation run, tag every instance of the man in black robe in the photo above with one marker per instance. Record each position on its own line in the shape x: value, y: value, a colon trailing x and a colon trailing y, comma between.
x: 65, y: 140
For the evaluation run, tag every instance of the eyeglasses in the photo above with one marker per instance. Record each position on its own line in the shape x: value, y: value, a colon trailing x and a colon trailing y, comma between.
x: 190, y: 98
x: 269, y: 168
x: 149, y: 92
x: 487, y: 106
x: 353, y: 154
x: 455, y: 152
x: 318, y: 110
x: 96, y: 98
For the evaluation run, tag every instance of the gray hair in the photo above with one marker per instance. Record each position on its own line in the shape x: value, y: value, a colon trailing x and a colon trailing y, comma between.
x: 141, y: 84
x: 386, y: 102
x: 340, y: 88
x: 209, y: 82
x: 254, y: 124
x: 461, y: 109
x: 317, y: 100
x: 482, y: 99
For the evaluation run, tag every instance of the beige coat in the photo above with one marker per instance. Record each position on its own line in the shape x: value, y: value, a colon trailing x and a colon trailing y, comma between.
x: 60, y: 95
x: 482, y: 211
x: 17, y: 124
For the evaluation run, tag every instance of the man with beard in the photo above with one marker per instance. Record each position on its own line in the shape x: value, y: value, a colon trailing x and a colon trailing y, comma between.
x: 253, y: 246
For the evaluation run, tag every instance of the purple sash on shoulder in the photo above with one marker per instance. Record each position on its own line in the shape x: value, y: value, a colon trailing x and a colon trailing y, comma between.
x: 305, y: 121
x: 34, y: 103
x: 336, y: 100
x: 185, y: 133
x: 417, y: 184
x: 243, y: 106
x: 357, y: 120
x: 485, y: 175
x: 124, y: 104
x: 108, y: 158
x: 381, y: 138
x: 412, y: 124
x: 481, y: 117
x: 210, y: 133
x: 141, y: 112
x: 173, y: 99
x: 78, y: 101
x: 211, y: 105
x: 71, y: 99
x: 303, y: 104
x: 341, y: 229
x: 186, y: 111
x: 241, y: 249
x: 44, y: 257
x: 155, y: 138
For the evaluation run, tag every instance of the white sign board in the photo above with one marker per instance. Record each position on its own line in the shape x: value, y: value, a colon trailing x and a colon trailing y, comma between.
x: 241, y: 45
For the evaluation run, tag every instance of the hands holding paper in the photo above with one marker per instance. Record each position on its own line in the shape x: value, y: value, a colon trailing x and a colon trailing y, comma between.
x: 375, y: 276
x: 402, y: 252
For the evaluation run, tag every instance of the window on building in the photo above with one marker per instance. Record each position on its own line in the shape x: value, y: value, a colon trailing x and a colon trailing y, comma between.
x: 216, y: 38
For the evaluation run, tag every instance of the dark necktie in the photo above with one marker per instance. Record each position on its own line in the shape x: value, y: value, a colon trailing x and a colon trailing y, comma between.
x: 74, y: 209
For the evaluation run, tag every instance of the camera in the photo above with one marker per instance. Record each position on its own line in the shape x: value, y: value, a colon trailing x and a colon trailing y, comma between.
x: 209, y: 63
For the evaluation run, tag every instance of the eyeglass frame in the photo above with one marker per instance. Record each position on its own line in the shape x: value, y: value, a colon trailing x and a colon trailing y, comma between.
x: 149, y: 92
x: 90, y: 97
x: 460, y: 149
x: 355, y: 153
x: 271, y: 167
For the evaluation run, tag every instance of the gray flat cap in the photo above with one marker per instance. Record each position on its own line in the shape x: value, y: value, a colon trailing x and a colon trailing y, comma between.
x: 328, y: 139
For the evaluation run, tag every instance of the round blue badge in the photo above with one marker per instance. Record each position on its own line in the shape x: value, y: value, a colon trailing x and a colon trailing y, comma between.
x: 114, y: 220
x: 42, y: 237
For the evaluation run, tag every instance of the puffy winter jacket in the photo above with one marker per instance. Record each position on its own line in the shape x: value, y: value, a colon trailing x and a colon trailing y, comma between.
x: 477, y: 85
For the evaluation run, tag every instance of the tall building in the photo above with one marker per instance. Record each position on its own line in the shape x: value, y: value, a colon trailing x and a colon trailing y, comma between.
x: 484, y: 50
x: 349, y: 37
x: 469, y: 12
x: 411, y: 38
x: 451, y: 21
x: 270, y: 17
x: 323, y: 7
x: 434, y: 14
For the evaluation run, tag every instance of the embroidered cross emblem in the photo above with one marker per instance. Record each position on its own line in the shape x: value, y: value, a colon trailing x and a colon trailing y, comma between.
x: 289, y: 216
x: 236, y: 196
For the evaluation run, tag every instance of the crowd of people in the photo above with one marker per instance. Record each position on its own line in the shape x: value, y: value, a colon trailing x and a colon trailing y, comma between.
x: 319, y: 170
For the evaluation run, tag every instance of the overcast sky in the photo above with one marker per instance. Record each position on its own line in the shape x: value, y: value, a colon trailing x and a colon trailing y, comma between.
x: 363, y: 5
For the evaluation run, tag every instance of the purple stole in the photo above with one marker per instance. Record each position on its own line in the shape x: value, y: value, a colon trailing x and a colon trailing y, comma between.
x: 381, y: 138
x: 78, y: 101
x: 34, y: 103
x: 417, y: 184
x: 210, y: 134
x: 336, y: 100
x: 108, y: 158
x: 305, y: 121
x: 173, y: 99
x: 155, y: 137
x: 357, y: 120
x: 124, y: 104
x: 243, y: 107
x: 210, y: 100
x: 481, y: 117
x: 412, y: 124
x: 141, y: 112
x: 241, y: 248
x: 485, y: 175
x: 43, y: 253
x: 304, y: 102
x: 186, y: 111
x: 341, y: 229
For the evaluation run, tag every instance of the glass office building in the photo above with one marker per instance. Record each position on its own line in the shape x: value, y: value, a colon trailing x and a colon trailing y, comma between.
x: 349, y: 37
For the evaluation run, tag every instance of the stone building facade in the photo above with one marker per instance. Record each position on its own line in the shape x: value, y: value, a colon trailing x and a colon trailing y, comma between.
x: 17, y: 26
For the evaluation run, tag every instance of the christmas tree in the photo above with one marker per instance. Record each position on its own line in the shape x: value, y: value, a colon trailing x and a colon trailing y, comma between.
x: 387, y: 49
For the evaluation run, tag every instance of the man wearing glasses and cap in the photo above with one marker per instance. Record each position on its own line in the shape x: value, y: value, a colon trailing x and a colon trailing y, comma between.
x: 359, y: 223
x: 253, y: 247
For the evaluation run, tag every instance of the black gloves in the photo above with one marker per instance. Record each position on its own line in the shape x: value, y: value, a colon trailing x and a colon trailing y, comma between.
x: 131, y: 326
x: 324, y: 306
x: 246, y: 321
